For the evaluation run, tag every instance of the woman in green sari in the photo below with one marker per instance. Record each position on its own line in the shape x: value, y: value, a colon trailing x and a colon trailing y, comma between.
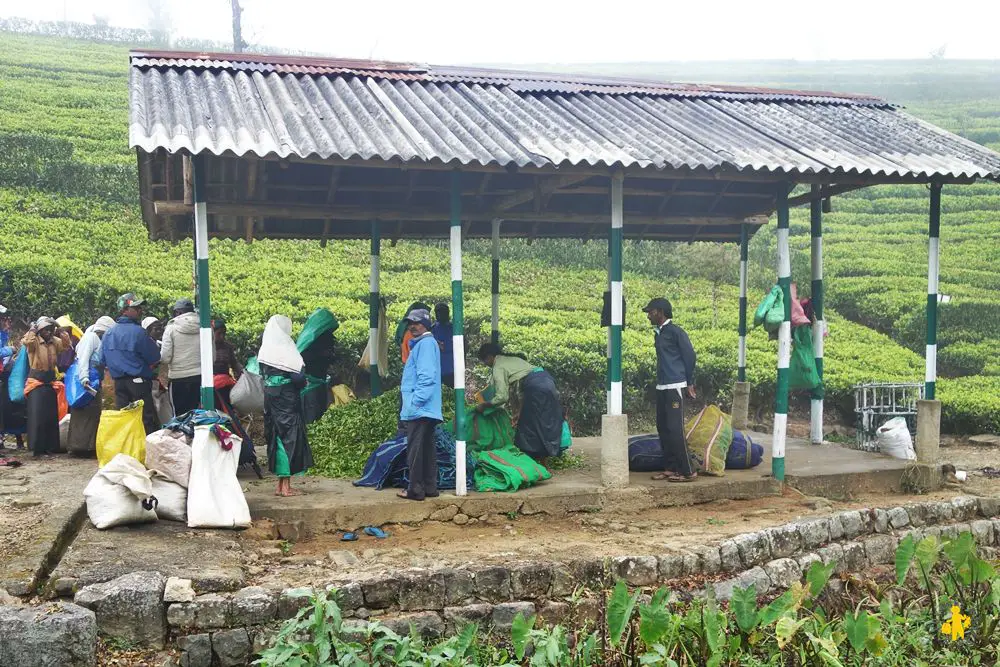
x: 316, y: 346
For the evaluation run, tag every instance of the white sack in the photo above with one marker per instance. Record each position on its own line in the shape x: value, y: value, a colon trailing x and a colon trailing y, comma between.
x: 171, y: 498
x: 161, y: 399
x: 894, y: 439
x: 64, y: 432
x: 169, y: 453
x: 119, y: 494
x: 215, y: 497
x: 247, y: 395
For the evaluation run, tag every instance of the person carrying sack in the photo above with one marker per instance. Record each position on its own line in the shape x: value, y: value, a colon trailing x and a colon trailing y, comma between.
x: 130, y: 354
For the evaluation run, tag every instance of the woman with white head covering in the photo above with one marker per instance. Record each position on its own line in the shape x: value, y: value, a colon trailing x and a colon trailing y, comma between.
x: 84, y: 421
x: 282, y: 368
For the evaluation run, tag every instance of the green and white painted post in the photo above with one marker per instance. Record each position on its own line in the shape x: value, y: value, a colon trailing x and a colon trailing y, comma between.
x: 458, y: 328
x: 204, y: 293
x: 784, y: 339
x: 607, y: 374
x: 933, y: 268
x: 741, y: 371
x: 495, y: 283
x: 617, y: 228
x: 818, y: 326
x: 374, y: 299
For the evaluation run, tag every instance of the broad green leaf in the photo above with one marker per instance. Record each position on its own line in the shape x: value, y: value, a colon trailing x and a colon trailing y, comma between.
x: 927, y: 553
x: 904, y: 556
x: 620, y: 608
x: 520, y: 633
x: 778, y: 607
x: 826, y: 649
x: 713, y: 626
x: 856, y: 627
x: 654, y: 621
x: 744, y: 607
x: 817, y: 577
x: 786, y: 628
x: 960, y: 549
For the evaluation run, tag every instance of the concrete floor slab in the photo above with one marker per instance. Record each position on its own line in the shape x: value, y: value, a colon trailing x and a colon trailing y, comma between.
x: 329, y: 505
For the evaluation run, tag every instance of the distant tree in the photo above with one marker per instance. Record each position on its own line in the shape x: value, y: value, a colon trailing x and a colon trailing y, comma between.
x: 160, y: 24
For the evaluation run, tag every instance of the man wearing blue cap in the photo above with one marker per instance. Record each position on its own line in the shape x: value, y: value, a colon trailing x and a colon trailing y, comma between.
x: 421, y: 411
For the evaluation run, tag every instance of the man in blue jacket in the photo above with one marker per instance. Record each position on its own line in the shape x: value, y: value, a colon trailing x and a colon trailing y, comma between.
x: 421, y: 411
x: 130, y: 354
x: 675, y: 360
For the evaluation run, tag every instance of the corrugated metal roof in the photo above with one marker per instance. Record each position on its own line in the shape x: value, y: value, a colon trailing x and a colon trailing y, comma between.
x: 387, y: 111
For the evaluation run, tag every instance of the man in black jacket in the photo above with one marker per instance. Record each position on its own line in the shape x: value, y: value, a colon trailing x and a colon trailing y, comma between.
x: 675, y: 360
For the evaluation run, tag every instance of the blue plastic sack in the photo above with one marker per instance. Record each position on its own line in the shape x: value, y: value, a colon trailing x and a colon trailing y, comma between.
x: 18, y: 377
x: 743, y: 453
x: 76, y: 395
x: 645, y: 453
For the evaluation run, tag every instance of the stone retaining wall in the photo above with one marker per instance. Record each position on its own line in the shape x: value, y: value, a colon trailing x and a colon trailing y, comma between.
x: 147, y: 608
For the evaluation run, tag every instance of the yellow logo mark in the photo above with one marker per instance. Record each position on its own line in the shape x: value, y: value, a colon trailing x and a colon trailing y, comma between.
x: 956, y: 625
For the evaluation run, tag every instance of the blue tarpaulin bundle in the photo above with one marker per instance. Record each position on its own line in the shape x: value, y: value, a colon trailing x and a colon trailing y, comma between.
x: 386, y: 466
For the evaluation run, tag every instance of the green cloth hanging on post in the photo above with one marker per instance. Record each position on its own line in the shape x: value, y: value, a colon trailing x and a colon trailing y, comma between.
x: 802, y: 372
x: 771, y: 311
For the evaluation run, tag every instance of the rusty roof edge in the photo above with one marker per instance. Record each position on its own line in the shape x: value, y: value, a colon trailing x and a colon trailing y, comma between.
x: 451, y: 73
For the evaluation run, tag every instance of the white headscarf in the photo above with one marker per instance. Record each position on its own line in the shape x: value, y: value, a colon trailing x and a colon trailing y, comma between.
x: 101, y: 325
x: 277, y: 349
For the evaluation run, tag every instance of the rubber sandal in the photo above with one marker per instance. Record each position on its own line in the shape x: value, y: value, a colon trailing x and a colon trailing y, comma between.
x: 349, y: 537
x: 405, y: 495
x: 680, y: 479
x: 660, y: 476
x: 376, y: 532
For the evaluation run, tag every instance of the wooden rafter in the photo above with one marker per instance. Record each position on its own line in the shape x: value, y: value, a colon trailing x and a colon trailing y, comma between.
x: 548, y: 185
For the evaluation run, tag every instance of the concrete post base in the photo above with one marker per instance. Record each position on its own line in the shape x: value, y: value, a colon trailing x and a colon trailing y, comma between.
x: 928, y: 431
x: 614, y: 451
x: 741, y: 405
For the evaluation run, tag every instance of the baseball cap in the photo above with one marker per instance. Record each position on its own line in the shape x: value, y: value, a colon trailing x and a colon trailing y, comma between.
x: 129, y: 300
x: 659, y: 303
x: 184, y: 305
x: 419, y: 316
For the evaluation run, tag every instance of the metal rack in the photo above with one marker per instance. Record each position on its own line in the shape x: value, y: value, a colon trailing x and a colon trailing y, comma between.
x: 875, y: 403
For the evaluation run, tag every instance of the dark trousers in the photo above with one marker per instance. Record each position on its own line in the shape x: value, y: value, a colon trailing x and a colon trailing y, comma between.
x: 421, y: 457
x: 129, y: 390
x: 448, y: 380
x: 670, y: 428
x: 43, y: 420
x: 185, y: 394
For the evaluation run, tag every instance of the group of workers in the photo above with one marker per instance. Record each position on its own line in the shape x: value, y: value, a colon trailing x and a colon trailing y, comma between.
x: 144, y: 354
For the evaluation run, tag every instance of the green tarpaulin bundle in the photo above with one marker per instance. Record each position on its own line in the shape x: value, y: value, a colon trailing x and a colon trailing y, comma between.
x: 507, y: 469
x: 486, y: 430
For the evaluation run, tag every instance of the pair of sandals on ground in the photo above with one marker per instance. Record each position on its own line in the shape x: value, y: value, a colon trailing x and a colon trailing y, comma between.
x: 674, y: 477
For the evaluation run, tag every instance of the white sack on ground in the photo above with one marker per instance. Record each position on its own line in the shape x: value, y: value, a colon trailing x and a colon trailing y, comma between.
x: 119, y: 494
x: 169, y: 453
x: 215, y: 497
x: 894, y: 439
x: 171, y: 498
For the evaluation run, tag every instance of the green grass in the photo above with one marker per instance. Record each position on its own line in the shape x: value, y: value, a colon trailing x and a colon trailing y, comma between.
x: 76, y: 254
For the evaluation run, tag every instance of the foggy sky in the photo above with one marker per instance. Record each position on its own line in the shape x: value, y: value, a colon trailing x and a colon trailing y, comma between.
x: 547, y: 31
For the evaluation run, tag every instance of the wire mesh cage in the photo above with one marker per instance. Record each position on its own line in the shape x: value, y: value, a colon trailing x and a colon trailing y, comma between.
x: 875, y: 403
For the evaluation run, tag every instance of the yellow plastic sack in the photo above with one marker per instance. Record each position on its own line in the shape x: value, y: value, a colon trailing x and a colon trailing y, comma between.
x: 67, y: 323
x: 121, y: 432
x: 342, y: 395
x: 709, y: 436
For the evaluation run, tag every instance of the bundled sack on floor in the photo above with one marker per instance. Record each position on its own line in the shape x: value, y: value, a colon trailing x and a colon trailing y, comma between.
x: 744, y: 453
x: 169, y: 452
x: 645, y: 454
x: 709, y: 435
x: 120, y: 493
x: 171, y: 497
x: 387, y: 467
x: 121, y: 432
x: 893, y: 438
x: 507, y: 469
x: 215, y: 496
x: 488, y: 429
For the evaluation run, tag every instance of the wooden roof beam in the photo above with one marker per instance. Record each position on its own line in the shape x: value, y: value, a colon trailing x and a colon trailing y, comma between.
x: 546, y: 186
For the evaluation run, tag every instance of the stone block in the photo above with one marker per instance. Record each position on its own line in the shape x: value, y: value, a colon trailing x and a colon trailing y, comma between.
x: 898, y: 518
x: 530, y: 581
x: 636, y: 570
x: 806, y: 561
x: 710, y: 559
x: 989, y: 507
x: 867, y: 521
x: 672, y: 566
x: 231, y: 647
x: 446, y: 513
x: 252, y: 606
x: 691, y: 562
x: 996, y: 530
x: 129, y: 608
x: 65, y: 587
x: 880, y: 549
x: 553, y: 613
x: 783, y: 572
x: 342, y: 558
x: 350, y: 596
x: 51, y: 635
x: 964, y: 508
x: 855, y: 559
x: 982, y: 530
x: 420, y: 591
x: 852, y: 523
x: 881, y: 518
x: 290, y: 531
x: 181, y: 615
x: 729, y: 557
x: 754, y: 548
x: 940, y: 512
x: 210, y: 611
x: 427, y: 624
x: 785, y: 540
x: 458, y: 617
x: 917, y: 512
x: 954, y: 530
x: 491, y: 583
x: 458, y: 586
x: 832, y: 553
x: 814, y: 533
x: 836, y: 528
x: 563, y: 582
x: 380, y: 593
x: 196, y: 650
x: 178, y: 590
x: 755, y: 576
x: 589, y: 572
x: 293, y: 600
x: 504, y: 614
